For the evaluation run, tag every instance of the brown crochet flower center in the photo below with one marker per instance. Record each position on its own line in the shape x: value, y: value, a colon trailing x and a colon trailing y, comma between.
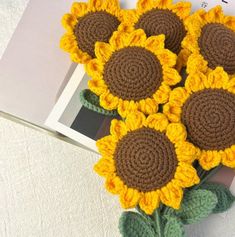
x: 93, y: 27
x: 156, y: 21
x: 133, y: 73
x: 145, y: 159
x: 209, y: 116
x: 217, y: 46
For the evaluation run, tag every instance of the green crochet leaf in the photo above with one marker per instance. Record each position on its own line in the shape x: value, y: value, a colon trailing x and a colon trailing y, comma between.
x: 224, y: 196
x: 173, y: 227
x: 196, y: 205
x: 132, y: 224
x: 91, y: 101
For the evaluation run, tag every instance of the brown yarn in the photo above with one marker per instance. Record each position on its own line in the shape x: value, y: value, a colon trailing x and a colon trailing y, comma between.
x: 93, y: 27
x: 145, y: 159
x: 158, y: 21
x: 217, y: 46
x: 209, y: 116
x: 133, y: 73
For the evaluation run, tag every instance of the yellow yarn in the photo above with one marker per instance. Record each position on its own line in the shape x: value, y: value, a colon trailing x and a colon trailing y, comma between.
x: 194, y: 24
x: 120, y: 40
x: 68, y: 41
x: 171, y: 194
x: 195, y: 82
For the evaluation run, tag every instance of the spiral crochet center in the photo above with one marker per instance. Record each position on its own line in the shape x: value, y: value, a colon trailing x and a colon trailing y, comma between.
x: 209, y: 116
x: 217, y: 46
x: 93, y: 27
x: 133, y: 73
x: 158, y: 21
x: 145, y: 159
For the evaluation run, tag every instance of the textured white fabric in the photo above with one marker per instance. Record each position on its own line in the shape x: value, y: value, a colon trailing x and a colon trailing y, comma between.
x: 48, y: 189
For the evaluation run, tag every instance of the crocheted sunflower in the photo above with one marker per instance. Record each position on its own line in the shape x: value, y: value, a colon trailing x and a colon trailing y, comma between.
x: 147, y: 161
x: 132, y: 72
x: 211, y: 39
x: 88, y: 23
x: 163, y: 17
x: 206, y: 106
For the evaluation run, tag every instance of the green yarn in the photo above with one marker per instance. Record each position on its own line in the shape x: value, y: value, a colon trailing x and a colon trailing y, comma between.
x: 173, y: 227
x: 91, y: 101
x: 196, y: 205
x: 224, y: 196
x: 132, y: 224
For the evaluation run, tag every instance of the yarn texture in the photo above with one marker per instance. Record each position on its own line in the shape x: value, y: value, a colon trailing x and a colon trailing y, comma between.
x: 206, y: 106
x: 132, y: 72
x: 88, y: 23
x: 211, y: 41
x: 163, y: 21
x: 196, y: 205
x: 147, y: 161
x: 224, y: 196
x: 91, y: 101
x: 163, y: 17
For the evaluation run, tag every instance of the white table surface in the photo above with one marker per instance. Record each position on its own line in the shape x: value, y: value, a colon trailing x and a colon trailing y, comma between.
x: 47, y: 187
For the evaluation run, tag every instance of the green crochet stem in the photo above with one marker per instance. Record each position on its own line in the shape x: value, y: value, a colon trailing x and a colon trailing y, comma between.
x: 91, y: 101
x: 158, y: 221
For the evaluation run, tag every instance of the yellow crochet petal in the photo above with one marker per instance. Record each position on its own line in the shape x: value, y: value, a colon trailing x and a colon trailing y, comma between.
x: 166, y: 57
x: 94, y: 68
x: 231, y: 85
x: 182, y: 59
x: 68, y: 43
x: 105, y: 167
x: 171, y: 195
x: 149, y: 202
x: 95, y: 4
x: 103, y: 51
x: 135, y: 120
x: 218, y: 78
x: 186, y: 176
x: 97, y: 86
x: 163, y: 3
x: 106, y: 146
x: 126, y: 107
x: 80, y: 57
x: 195, y: 82
x: 68, y: 22
x: 79, y: 9
x: 171, y: 76
x: 136, y: 38
x: 186, y: 152
x: 108, y: 101
x: 190, y: 43
x: 144, y: 4
x: 178, y: 96
x: 161, y: 96
x: 173, y: 112
x: 111, y: 4
x: 117, y: 40
x: 157, y: 121
x: 196, y: 64
x: 114, y: 185
x: 181, y: 9
x: 229, y: 21
x: 210, y: 159
x: 154, y: 43
x: 228, y: 159
x: 129, y: 198
x: 215, y: 15
x: 176, y: 132
x: 118, y: 129
x: 148, y: 106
